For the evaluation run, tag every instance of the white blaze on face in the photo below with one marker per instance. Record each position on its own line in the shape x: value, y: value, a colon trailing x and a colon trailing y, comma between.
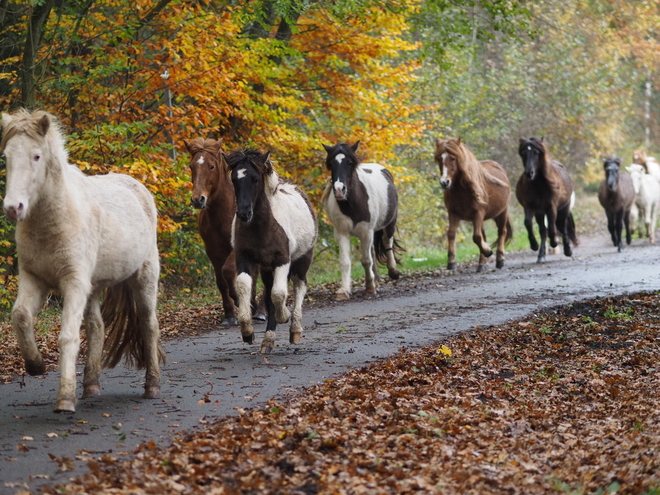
x: 241, y: 173
x: 201, y: 160
x: 340, y: 158
x: 444, y: 167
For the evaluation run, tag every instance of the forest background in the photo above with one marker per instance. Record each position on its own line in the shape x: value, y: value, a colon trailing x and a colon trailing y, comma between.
x: 131, y: 80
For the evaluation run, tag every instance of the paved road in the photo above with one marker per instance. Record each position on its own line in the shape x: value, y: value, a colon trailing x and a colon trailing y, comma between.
x: 213, y: 374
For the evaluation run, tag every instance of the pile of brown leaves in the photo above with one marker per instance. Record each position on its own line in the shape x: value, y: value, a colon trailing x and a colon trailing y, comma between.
x: 563, y: 402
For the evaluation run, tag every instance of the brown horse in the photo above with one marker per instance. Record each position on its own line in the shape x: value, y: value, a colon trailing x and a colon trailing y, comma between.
x: 213, y: 194
x: 616, y: 195
x: 545, y: 190
x: 474, y: 191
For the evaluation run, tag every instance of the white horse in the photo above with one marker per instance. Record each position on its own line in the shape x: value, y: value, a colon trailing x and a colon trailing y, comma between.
x: 361, y: 200
x: 86, y: 237
x: 649, y: 163
x: 647, y: 197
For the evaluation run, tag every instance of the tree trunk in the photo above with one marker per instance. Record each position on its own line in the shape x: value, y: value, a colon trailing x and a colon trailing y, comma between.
x: 27, y: 71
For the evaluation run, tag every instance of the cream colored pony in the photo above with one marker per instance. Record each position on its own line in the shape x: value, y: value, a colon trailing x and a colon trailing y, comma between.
x: 88, y: 237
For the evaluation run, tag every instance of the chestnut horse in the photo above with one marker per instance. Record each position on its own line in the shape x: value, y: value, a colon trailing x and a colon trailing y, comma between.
x: 213, y: 195
x: 616, y: 195
x: 545, y: 190
x: 474, y: 191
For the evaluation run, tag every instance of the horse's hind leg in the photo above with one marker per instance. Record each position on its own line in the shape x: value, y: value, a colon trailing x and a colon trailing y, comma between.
x: 562, y: 223
x: 388, y: 242
x: 540, y: 220
x: 501, y: 222
x: 483, y: 259
x: 299, y: 271
x: 225, y: 279
x: 31, y: 296
x: 145, y: 294
x: 94, y: 331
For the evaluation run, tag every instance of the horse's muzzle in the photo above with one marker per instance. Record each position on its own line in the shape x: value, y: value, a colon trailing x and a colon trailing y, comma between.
x: 15, y: 213
x: 445, y: 183
x: 245, y: 216
x: 530, y: 174
x: 199, y: 203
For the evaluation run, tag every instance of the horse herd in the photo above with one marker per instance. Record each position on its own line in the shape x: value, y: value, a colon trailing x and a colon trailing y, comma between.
x: 93, y: 238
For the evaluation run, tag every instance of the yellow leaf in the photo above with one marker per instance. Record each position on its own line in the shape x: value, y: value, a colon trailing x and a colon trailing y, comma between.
x: 445, y: 350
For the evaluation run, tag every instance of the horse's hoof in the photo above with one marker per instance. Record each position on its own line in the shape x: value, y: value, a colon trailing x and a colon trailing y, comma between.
x: 541, y: 259
x: 534, y: 246
x: 370, y: 290
x: 394, y: 274
x: 488, y: 254
x: 294, y: 337
x: 451, y: 266
x: 152, y: 392
x: 259, y: 316
x: 553, y: 243
x: 268, y: 344
x: 229, y: 322
x: 499, y: 264
x: 341, y: 296
x: 65, y: 406
x: 91, y: 391
x: 248, y: 339
x: 568, y: 251
x: 35, y: 368
x: 481, y: 268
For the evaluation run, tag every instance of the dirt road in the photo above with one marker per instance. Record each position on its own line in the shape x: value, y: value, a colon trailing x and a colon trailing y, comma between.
x: 214, y: 374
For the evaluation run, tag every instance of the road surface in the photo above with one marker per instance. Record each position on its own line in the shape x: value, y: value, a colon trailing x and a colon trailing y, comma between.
x: 214, y: 374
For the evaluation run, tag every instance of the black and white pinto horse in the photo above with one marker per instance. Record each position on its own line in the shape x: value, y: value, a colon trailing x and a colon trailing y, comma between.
x: 274, y: 231
x: 361, y: 200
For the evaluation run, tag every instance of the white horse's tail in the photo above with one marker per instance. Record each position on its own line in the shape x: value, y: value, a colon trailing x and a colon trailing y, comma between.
x: 124, y: 335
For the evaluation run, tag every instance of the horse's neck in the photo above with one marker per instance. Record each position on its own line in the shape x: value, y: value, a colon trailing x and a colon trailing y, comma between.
x: 223, y: 198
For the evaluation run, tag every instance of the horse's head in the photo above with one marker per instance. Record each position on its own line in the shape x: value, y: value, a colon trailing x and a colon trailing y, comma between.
x: 533, y: 153
x: 612, y: 166
x: 448, y: 155
x: 26, y: 145
x: 639, y: 157
x: 249, y: 171
x: 636, y: 172
x: 206, y: 165
x: 342, y: 162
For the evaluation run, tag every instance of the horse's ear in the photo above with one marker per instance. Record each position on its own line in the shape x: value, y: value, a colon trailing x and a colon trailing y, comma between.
x: 6, y: 119
x: 355, y: 146
x: 217, y: 147
x: 327, y: 148
x: 267, y: 162
x: 521, y: 141
x: 44, y: 124
x: 187, y: 146
x: 458, y: 141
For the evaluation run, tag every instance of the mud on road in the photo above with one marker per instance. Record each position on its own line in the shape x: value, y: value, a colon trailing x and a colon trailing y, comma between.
x: 215, y: 374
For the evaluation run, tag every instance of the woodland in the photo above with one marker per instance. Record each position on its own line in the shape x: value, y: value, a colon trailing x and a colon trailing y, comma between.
x: 131, y: 80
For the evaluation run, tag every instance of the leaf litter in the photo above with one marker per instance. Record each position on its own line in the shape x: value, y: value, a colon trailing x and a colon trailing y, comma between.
x: 562, y: 402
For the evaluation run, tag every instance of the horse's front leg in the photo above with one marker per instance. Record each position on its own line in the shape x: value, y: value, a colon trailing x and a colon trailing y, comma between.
x: 75, y: 295
x: 529, y: 225
x: 368, y: 261
x: 94, y: 331
x: 626, y: 224
x: 268, y: 342
x: 618, y: 226
x: 552, y: 226
x: 344, y: 242
x: 29, y: 300
x: 244, y: 281
x: 451, y: 241
x: 611, y: 226
x: 225, y: 276
x: 543, y: 230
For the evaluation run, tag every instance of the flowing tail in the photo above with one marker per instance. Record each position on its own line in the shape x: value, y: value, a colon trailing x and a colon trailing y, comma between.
x: 381, y: 250
x: 124, y: 336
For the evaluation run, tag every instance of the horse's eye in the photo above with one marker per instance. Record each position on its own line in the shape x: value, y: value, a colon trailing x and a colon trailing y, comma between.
x: 37, y: 158
x: 212, y: 167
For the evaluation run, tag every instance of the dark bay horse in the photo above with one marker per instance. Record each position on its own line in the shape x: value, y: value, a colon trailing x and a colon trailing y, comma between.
x: 616, y: 195
x: 213, y: 195
x: 545, y: 191
x: 274, y: 232
x: 361, y: 200
x: 474, y: 191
